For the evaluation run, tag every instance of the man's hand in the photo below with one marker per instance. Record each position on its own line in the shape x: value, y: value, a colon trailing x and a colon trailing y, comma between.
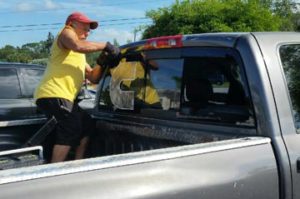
x: 111, y: 49
x: 110, y: 56
x: 107, y: 59
x: 102, y: 59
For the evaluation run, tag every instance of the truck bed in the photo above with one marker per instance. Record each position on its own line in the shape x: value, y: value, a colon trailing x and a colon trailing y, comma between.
x: 118, y: 136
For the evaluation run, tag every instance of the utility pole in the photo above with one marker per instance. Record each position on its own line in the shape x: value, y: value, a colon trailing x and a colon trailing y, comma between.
x: 134, y: 34
x: 135, y: 31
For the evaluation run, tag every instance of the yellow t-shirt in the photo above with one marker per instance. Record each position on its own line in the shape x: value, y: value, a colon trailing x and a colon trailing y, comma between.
x: 64, y: 74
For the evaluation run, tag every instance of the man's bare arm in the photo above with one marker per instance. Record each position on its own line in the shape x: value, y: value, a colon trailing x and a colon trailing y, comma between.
x: 69, y: 40
x: 93, y: 74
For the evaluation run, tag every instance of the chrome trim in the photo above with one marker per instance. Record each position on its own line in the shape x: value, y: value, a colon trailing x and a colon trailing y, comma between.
x: 23, y: 150
x: 71, y: 167
x: 22, y: 122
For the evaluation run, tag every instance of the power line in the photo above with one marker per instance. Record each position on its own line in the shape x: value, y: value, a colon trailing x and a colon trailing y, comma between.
x: 54, y: 24
x: 124, y: 19
x: 117, y: 24
x: 55, y: 28
x: 29, y: 29
x: 30, y: 25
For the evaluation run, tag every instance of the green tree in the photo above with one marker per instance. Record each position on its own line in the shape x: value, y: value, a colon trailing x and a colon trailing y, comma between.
x: 200, y: 16
x: 6, y: 51
x: 92, y: 57
x: 37, y: 52
x: 48, y: 43
x: 284, y: 9
x: 115, y: 42
x: 19, y: 57
x: 295, y: 18
x: 34, y: 50
x: 42, y: 61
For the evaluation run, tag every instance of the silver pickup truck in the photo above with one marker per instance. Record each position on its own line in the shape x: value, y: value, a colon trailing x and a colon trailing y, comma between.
x: 187, y: 116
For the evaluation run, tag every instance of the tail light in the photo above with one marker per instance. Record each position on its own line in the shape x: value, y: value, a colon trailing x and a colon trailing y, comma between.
x: 164, y: 42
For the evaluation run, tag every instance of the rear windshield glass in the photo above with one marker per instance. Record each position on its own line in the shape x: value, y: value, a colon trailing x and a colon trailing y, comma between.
x: 196, y: 87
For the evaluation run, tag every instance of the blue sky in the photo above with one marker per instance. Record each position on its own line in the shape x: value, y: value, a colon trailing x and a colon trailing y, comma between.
x: 26, y: 21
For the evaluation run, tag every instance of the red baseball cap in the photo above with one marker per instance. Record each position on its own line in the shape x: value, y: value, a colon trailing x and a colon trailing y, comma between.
x: 78, y: 16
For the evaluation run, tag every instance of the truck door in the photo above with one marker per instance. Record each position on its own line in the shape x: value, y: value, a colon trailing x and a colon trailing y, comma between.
x: 290, y: 59
x: 282, y: 57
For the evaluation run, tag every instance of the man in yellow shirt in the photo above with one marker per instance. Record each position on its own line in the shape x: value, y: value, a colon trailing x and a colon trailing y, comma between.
x: 62, y: 81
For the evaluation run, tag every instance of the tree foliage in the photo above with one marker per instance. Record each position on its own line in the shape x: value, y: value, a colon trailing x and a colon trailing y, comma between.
x: 28, y: 52
x: 92, y: 57
x: 37, y: 53
x: 187, y: 17
x: 201, y: 16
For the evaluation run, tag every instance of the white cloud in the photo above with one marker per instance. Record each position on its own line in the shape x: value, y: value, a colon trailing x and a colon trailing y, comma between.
x: 102, y: 12
x: 49, y: 4
x: 122, y: 36
x: 36, y: 6
x: 25, y: 7
x: 4, y: 4
x: 117, y: 11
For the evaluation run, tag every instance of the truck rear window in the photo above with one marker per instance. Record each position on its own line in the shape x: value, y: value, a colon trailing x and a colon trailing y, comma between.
x: 196, y: 85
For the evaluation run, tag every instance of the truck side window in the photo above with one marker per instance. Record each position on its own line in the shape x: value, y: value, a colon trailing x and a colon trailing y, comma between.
x: 290, y: 59
x: 9, y: 84
x: 31, y: 77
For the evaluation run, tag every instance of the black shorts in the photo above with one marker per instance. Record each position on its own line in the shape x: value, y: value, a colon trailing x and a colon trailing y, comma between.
x: 73, y: 123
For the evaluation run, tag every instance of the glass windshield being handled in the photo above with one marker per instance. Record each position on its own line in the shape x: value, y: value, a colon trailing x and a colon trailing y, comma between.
x: 180, y: 85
